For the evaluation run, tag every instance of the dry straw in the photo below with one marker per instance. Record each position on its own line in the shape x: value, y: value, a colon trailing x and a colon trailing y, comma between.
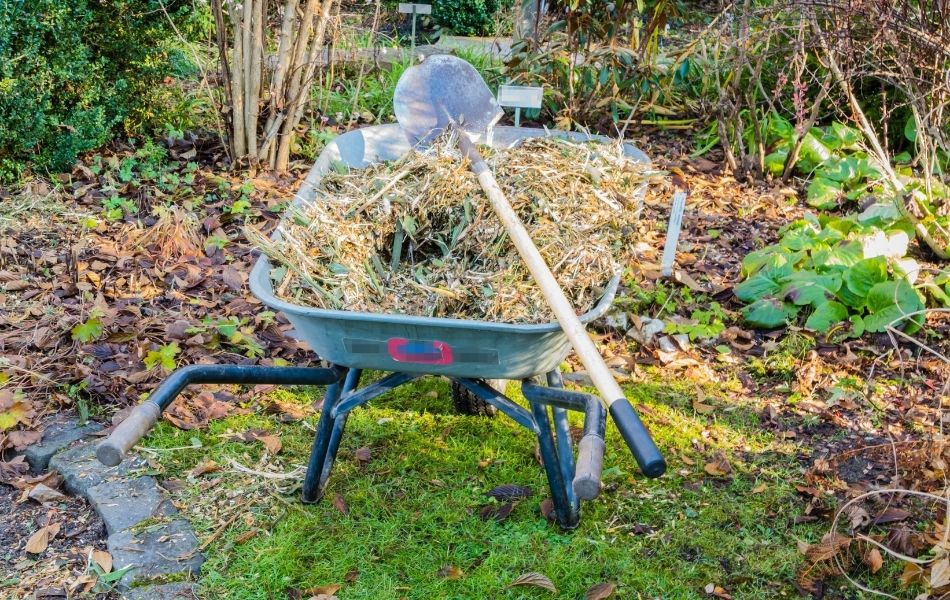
x: 417, y: 236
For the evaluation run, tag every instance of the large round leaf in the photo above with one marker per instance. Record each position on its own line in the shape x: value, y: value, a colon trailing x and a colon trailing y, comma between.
x: 826, y: 316
x: 769, y: 313
x: 823, y: 193
x: 888, y: 303
x: 808, y: 287
x: 865, y: 274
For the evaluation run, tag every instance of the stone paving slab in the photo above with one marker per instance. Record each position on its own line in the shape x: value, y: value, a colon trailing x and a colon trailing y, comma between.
x: 156, y: 552
x: 127, y: 502
x: 167, y: 591
x: 81, y: 470
x: 56, y: 436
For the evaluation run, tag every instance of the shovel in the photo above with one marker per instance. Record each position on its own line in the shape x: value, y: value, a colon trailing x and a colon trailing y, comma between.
x: 446, y: 92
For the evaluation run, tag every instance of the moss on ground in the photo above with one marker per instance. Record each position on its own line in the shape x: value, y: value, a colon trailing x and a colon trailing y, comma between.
x: 413, y: 509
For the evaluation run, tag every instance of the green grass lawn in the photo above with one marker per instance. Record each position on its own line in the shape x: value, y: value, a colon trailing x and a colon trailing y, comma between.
x: 413, y: 510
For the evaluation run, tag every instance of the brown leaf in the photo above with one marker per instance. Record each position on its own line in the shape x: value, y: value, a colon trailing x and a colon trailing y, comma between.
x: 911, y: 574
x: 13, y: 469
x: 503, y: 511
x: 177, y: 329
x: 340, y: 504
x: 874, y: 560
x: 271, y: 441
x: 940, y: 573
x: 534, y: 579
x: 20, y: 439
x: 891, y: 515
x: 289, y: 411
x: 451, y: 572
x: 719, y: 467
x: 858, y: 516
x: 39, y: 541
x: 352, y: 575
x: 326, y: 590
x: 510, y: 492
x: 600, y: 591
x: 827, y: 548
x: 363, y: 456
x: 717, y: 591
x: 205, y: 466
x: 232, y: 278
x: 103, y: 559
x: 197, y: 412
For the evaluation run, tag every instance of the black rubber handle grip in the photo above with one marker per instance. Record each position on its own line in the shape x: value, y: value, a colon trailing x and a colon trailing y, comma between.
x: 590, y: 465
x: 638, y: 438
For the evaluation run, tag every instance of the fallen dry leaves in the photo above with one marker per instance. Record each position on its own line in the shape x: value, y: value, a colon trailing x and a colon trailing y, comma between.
x: 600, y: 591
x: 534, y: 579
x: 40, y: 540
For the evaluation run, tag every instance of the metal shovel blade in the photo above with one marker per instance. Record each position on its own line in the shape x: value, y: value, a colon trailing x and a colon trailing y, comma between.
x: 441, y: 91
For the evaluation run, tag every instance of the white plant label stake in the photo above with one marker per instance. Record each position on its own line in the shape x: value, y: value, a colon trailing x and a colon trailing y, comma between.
x: 414, y: 9
x: 518, y: 97
x: 673, y: 233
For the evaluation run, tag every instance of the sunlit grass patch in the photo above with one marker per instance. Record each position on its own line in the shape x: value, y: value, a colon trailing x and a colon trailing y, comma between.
x: 386, y: 528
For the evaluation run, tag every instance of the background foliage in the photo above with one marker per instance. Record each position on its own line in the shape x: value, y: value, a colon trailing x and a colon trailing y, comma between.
x: 469, y: 17
x: 72, y: 72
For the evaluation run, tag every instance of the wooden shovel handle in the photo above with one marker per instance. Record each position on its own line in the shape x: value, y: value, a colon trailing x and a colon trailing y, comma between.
x: 625, y: 417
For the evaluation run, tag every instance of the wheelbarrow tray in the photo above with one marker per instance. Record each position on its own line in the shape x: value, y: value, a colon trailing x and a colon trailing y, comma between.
x: 438, y: 346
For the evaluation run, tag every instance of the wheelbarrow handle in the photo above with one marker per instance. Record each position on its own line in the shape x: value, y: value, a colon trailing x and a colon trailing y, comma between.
x: 638, y: 439
x: 590, y: 465
x: 144, y: 416
x: 127, y: 433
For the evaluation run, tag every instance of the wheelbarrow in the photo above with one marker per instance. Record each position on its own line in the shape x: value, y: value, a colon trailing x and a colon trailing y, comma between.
x: 469, y: 353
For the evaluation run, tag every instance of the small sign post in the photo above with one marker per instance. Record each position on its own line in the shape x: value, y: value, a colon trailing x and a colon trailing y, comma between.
x: 414, y: 9
x: 518, y: 97
x: 673, y: 233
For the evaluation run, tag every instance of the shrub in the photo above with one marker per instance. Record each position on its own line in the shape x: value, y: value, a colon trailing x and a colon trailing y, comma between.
x: 70, y: 72
x: 467, y: 17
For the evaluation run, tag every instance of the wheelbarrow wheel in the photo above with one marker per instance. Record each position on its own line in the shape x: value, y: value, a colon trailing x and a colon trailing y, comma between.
x: 467, y: 403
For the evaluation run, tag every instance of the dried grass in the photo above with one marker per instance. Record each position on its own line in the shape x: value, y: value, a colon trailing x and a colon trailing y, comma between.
x: 452, y: 255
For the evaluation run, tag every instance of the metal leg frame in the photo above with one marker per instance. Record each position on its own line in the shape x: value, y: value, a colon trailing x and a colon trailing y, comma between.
x: 339, y: 401
x: 569, y: 482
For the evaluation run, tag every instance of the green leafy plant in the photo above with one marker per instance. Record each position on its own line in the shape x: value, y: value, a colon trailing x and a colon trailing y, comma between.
x: 599, y: 63
x: 89, y: 330
x: 468, y: 17
x: 702, y: 324
x: 164, y: 357
x: 234, y: 332
x: 845, y: 274
x: 72, y: 72
x: 832, y: 157
x: 116, y: 208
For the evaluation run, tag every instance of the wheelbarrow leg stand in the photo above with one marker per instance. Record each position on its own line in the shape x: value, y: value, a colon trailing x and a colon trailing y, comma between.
x: 339, y: 424
x: 570, y: 481
x: 312, y: 488
x: 564, y: 507
x: 340, y: 399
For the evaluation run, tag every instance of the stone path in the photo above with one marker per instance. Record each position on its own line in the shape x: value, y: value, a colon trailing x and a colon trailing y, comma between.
x: 145, y: 533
